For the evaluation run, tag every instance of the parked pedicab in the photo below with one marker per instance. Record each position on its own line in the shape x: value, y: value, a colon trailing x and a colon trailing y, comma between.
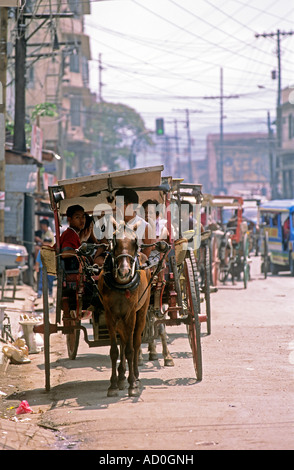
x: 209, y: 218
x: 251, y: 213
x: 277, y: 221
x: 77, y: 287
x: 234, y: 244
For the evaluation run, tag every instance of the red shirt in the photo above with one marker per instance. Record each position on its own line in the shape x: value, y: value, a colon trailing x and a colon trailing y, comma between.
x: 69, y: 239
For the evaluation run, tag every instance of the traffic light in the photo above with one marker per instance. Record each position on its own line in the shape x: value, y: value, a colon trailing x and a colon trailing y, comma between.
x: 159, y: 126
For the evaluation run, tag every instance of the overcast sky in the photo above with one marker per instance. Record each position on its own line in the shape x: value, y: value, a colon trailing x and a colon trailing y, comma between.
x: 164, y: 56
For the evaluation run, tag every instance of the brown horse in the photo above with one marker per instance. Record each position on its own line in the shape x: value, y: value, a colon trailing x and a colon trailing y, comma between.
x: 125, y: 295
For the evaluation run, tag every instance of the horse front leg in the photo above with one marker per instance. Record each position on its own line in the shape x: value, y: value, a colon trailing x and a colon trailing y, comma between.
x: 122, y: 369
x: 113, y: 389
x: 137, y: 338
x: 133, y: 389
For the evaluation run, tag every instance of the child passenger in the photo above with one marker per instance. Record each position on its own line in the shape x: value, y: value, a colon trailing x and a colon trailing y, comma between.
x: 70, y: 238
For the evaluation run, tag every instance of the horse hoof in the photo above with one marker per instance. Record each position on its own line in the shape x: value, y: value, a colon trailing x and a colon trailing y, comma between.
x: 134, y: 392
x: 169, y: 362
x: 153, y: 357
x: 122, y: 384
x: 112, y: 392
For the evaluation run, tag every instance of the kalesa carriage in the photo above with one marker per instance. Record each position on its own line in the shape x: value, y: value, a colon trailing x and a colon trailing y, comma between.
x: 165, y: 294
x: 230, y: 243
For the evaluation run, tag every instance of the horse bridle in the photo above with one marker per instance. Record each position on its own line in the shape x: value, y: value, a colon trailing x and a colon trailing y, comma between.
x: 123, y: 255
x: 134, y: 259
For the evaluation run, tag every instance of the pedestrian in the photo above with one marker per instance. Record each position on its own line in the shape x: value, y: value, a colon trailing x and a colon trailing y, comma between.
x: 39, y: 271
x: 45, y: 232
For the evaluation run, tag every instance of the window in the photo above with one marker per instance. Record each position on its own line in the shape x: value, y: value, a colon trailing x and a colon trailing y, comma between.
x: 75, y: 111
x: 85, y: 71
x: 290, y: 126
x: 74, y: 62
x: 30, y: 77
x: 74, y: 6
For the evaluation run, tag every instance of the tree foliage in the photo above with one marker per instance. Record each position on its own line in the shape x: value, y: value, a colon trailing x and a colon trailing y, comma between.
x: 116, y: 131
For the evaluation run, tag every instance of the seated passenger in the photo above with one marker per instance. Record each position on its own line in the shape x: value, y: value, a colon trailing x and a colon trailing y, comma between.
x: 126, y: 204
x: 70, y: 238
x: 286, y: 233
x: 158, y: 227
x: 233, y: 221
x: 132, y: 219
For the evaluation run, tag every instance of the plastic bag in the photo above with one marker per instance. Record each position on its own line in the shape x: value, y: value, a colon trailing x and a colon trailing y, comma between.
x: 24, y: 408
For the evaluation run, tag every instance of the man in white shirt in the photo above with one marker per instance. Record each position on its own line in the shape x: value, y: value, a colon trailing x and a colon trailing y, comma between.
x: 127, y: 202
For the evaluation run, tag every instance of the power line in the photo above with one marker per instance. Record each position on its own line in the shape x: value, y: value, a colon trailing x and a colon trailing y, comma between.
x: 189, y: 32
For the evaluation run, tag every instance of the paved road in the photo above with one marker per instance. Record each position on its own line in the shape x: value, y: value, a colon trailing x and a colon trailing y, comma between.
x: 245, y: 400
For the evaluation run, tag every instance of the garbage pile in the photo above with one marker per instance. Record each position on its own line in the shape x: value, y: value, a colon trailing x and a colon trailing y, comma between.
x: 28, y: 342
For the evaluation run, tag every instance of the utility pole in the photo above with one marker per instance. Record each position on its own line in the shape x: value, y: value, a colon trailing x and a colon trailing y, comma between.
x: 3, y: 65
x: 189, y: 148
x: 278, y: 35
x: 221, y: 97
x: 19, y: 137
x: 177, y: 148
x: 279, y: 127
x: 190, y: 169
x: 271, y: 158
x: 100, y: 68
x: 221, y: 180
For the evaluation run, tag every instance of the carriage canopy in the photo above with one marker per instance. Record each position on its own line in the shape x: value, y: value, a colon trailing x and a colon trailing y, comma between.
x: 88, y: 191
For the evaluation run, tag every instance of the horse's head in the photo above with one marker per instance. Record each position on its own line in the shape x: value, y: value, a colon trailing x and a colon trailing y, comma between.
x: 124, y: 253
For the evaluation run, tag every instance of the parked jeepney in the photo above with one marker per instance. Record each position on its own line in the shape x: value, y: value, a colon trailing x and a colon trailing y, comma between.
x: 277, y: 218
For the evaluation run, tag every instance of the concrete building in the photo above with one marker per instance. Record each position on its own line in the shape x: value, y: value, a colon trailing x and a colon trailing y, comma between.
x: 57, y: 55
x: 245, y: 163
x: 285, y: 155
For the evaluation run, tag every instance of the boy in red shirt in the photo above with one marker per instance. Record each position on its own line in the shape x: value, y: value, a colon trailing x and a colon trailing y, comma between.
x: 70, y: 239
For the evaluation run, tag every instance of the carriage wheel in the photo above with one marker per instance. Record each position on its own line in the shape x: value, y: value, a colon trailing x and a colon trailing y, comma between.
x: 223, y: 275
x: 206, y: 284
x: 214, y: 261
x: 245, y: 262
x: 196, y: 279
x: 46, y: 329
x: 207, y: 264
x: 225, y: 263
x: 194, y: 324
x: 73, y: 339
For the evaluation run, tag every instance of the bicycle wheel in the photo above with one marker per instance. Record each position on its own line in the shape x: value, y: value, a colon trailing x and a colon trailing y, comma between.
x: 194, y: 324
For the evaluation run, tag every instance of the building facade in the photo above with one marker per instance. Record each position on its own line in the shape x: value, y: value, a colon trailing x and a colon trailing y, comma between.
x: 285, y: 154
x: 57, y: 73
x: 244, y: 166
